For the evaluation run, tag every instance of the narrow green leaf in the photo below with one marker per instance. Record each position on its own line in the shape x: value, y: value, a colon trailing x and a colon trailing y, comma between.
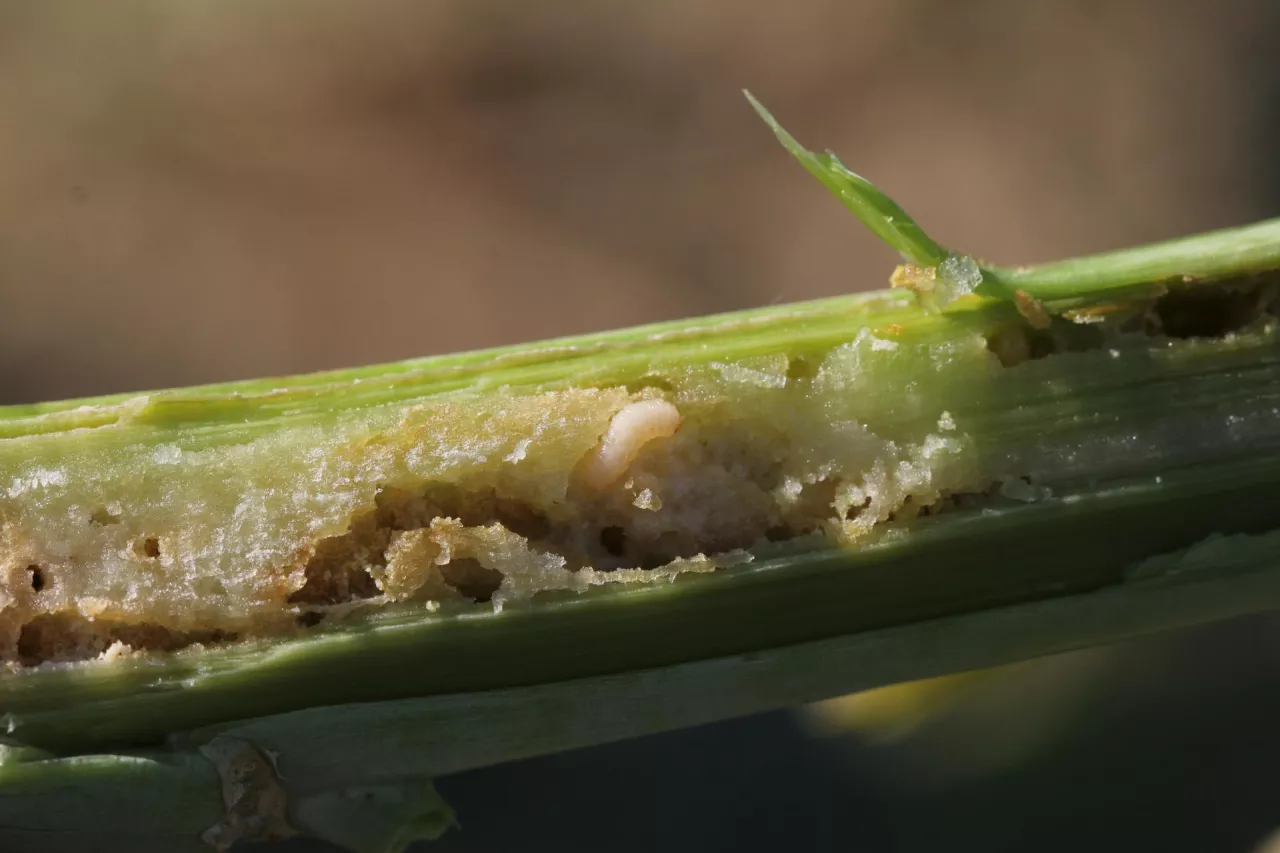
x: 937, y: 276
x: 876, y: 210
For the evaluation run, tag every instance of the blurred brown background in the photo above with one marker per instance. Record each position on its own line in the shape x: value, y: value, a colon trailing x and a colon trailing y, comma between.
x: 207, y: 190
x: 196, y: 191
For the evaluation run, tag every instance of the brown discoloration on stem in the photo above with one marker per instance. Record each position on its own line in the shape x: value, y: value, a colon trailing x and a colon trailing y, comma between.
x: 252, y: 793
x: 1032, y: 310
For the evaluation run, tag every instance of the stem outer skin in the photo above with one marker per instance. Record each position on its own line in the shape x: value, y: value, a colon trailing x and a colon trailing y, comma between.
x: 122, y: 754
x: 328, y: 760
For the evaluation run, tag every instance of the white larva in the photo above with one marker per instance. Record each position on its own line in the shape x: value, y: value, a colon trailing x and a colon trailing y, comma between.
x: 634, y: 426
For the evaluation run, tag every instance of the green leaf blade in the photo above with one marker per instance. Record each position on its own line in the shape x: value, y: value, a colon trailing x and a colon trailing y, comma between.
x: 886, y: 219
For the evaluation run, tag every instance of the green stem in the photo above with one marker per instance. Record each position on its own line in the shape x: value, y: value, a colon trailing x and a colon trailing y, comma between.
x: 1179, y: 263
x: 326, y: 751
x: 793, y: 599
x: 160, y: 802
x: 1112, y: 483
x: 1188, y: 260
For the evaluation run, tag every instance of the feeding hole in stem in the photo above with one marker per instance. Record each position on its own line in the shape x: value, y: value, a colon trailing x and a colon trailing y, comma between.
x: 779, y: 533
x: 64, y: 637
x: 614, y: 540
x: 148, y: 547
x: 471, y: 579
x: 309, y: 619
x: 103, y: 517
x: 646, y: 382
x: 801, y: 369
x: 1202, y: 312
x: 37, y: 578
x: 1213, y: 313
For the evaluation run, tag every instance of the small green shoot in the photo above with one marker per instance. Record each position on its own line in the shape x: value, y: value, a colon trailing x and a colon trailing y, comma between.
x: 876, y: 210
x: 937, y: 276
